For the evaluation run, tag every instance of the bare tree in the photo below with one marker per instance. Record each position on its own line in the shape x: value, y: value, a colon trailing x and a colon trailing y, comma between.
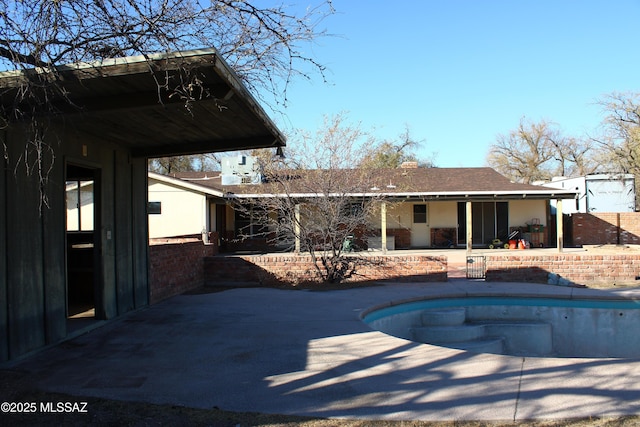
x: 197, y: 163
x: 392, y: 153
x: 265, y: 45
x: 539, y: 151
x: 317, y: 201
x: 620, y: 139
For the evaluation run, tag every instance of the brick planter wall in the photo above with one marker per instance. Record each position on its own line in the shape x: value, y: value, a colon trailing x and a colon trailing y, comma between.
x: 606, y: 228
x: 176, y: 265
x: 579, y: 269
x: 297, y: 269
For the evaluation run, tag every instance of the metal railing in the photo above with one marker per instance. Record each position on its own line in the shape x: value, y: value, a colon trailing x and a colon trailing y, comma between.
x: 476, y: 267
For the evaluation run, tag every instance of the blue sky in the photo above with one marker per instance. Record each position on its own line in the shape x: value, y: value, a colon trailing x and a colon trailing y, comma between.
x: 460, y: 72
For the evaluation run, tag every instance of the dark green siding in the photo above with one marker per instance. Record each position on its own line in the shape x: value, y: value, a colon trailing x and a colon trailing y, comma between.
x: 25, y: 297
x: 4, y: 331
x: 140, y: 232
x: 33, y: 280
x: 123, y: 233
x: 54, y: 220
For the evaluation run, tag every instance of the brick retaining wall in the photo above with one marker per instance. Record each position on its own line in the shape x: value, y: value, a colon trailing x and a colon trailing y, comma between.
x: 621, y: 228
x: 297, y: 269
x: 176, y: 265
x: 579, y: 269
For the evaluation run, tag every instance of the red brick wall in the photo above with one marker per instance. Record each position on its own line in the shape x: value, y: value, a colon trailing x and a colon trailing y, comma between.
x: 176, y: 265
x: 579, y: 269
x: 402, y: 236
x: 606, y: 228
x: 297, y: 269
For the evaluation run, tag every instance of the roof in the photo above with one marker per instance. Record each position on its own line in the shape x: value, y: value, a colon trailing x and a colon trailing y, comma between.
x: 186, y: 184
x: 120, y: 102
x: 420, y: 183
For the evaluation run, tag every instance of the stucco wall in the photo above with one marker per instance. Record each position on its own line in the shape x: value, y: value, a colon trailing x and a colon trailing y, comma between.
x: 443, y: 214
x: 521, y: 212
x: 183, y: 212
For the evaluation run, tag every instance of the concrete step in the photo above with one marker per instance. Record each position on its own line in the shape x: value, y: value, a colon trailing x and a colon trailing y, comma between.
x: 457, y: 271
x: 531, y: 338
x: 444, y: 334
x: 443, y: 316
x: 492, y: 345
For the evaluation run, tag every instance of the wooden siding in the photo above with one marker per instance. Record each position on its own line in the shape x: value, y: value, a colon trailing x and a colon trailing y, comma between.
x: 54, y: 241
x: 25, y: 296
x: 33, y: 283
x: 123, y: 231
x: 4, y: 327
x: 140, y: 233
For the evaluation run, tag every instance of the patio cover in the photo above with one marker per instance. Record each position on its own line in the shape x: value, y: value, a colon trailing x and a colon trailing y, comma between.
x: 119, y: 100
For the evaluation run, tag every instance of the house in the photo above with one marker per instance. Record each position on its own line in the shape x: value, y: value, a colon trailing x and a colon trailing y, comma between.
x: 598, y: 193
x: 427, y: 207
x: 75, y: 240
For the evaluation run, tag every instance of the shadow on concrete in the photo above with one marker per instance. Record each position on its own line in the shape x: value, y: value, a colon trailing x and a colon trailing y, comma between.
x: 308, y: 353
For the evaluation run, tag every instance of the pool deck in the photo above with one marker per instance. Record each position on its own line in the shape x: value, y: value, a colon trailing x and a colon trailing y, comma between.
x: 309, y: 353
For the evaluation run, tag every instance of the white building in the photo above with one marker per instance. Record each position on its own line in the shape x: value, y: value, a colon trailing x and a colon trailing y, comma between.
x: 598, y: 193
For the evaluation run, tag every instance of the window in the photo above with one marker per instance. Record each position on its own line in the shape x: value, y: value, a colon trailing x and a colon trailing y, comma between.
x: 79, y: 205
x: 419, y: 214
x: 154, y: 208
x: 250, y: 224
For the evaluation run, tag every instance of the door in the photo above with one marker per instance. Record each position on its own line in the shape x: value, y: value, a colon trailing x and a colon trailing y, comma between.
x: 489, y: 220
x: 82, y: 244
x: 420, y: 226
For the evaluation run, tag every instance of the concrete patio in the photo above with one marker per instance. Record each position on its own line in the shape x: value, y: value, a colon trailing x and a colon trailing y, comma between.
x: 309, y: 353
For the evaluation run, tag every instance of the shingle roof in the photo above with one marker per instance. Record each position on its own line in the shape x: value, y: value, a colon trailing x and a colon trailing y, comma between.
x: 458, y: 183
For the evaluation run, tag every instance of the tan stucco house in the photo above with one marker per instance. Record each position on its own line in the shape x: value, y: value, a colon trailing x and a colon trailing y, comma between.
x: 427, y: 207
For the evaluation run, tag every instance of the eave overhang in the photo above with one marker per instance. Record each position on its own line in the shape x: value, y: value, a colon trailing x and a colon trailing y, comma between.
x: 132, y: 102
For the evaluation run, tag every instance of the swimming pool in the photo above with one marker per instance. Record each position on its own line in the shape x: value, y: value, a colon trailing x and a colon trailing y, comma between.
x: 523, y: 326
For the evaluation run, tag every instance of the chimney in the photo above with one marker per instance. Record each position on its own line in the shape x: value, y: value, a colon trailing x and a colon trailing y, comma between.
x: 409, y: 165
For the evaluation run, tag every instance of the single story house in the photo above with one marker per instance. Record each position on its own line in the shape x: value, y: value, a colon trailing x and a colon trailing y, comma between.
x: 428, y: 207
x: 74, y: 240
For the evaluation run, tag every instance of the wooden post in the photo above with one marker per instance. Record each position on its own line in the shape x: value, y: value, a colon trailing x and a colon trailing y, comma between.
x: 296, y: 226
x: 469, y: 230
x: 383, y: 226
x: 559, y: 221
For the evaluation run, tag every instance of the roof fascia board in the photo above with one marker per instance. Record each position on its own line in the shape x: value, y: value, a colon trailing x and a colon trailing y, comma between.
x: 187, y: 185
x: 212, y: 146
x: 417, y: 195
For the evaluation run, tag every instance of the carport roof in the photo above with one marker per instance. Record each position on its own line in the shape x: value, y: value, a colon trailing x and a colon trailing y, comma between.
x: 119, y: 100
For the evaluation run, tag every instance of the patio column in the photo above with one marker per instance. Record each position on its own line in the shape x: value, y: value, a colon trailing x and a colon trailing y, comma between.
x: 559, y: 221
x: 383, y: 226
x: 469, y: 230
x: 296, y: 226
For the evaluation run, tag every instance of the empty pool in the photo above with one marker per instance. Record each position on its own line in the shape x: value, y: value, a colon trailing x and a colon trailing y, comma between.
x: 551, y: 327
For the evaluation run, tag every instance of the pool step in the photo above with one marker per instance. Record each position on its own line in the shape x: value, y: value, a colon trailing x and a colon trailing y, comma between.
x: 443, y: 316
x: 530, y: 338
x: 493, y: 345
x: 449, y: 327
x: 444, y: 334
